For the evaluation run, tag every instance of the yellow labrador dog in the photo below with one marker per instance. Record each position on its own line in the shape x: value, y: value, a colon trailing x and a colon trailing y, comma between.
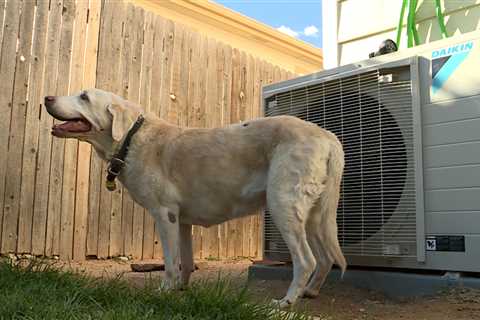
x: 191, y: 176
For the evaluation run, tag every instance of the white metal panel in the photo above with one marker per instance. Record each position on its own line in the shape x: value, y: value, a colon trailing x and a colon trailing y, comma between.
x: 362, y: 25
x: 330, y: 33
x: 362, y: 18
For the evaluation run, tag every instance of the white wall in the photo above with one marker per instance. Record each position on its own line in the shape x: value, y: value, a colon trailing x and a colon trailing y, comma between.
x: 354, y: 28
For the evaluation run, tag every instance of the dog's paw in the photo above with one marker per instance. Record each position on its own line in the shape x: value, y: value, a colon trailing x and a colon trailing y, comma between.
x: 282, y: 303
x: 168, y: 284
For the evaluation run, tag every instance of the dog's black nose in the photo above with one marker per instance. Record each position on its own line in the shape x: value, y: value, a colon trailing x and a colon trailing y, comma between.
x: 49, y: 100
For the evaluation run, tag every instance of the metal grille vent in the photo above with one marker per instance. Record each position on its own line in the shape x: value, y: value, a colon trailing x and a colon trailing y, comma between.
x: 371, y: 113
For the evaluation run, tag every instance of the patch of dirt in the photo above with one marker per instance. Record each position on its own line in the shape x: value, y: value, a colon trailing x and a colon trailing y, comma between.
x: 337, y: 301
x: 341, y: 302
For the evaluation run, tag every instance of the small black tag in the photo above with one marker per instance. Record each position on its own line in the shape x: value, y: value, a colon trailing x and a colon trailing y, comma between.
x: 445, y: 243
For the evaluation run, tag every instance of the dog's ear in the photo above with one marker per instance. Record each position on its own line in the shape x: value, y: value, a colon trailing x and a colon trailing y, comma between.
x: 123, y: 119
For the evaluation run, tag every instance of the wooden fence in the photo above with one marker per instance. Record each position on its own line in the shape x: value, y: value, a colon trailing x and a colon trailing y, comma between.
x: 52, y: 195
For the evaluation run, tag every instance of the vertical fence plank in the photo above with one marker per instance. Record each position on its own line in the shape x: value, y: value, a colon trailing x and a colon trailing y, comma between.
x: 257, y: 112
x: 96, y: 174
x: 243, y: 87
x: 257, y: 89
x: 226, y: 54
x: 182, y: 96
x: 155, y: 97
x: 134, y: 95
x: 157, y: 63
x: 283, y: 75
x: 41, y: 216
x: 7, y: 74
x: 113, y: 224
x: 17, y: 130
x: 200, y: 120
x: 103, y: 81
x: 249, y: 97
x: 84, y: 149
x: 176, y: 62
x: 167, y: 68
x: 145, y: 97
x: 70, y: 212
x: 233, y: 225
x: 227, y: 103
x: 30, y: 145
x: 172, y: 95
x: 213, y: 119
x: 71, y: 145
x: 247, y: 114
x: 171, y: 112
x: 271, y: 73
x: 242, y: 114
x: 60, y: 200
x: 219, y: 116
x: 127, y: 202
x: 267, y: 78
x: 120, y: 50
x: 107, y: 78
x: 193, y: 102
x: 202, y: 123
x: 3, y: 4
x: 266, y: 68
x: 277, y: 76
x: 193, y: 78
x: 166, y: 58
x: 202, y: 90
x: 91, y: 50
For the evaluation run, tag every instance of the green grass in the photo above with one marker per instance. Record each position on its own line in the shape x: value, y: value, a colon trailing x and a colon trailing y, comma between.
x: 41, y: 291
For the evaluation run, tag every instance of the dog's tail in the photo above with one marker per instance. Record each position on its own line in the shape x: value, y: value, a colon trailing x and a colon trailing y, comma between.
x: 329, y: 205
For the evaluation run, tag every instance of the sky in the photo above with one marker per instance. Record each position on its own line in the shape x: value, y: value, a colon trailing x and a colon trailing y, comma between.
x: 298, y: 18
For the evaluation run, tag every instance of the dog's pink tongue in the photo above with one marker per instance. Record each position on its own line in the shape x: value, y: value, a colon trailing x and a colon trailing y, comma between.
x: 73, y: 126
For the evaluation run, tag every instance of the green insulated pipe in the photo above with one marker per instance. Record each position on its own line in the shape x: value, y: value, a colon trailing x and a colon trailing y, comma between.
x: 400, y: 22
x: 441, y: 22
x: 411, y: 29
x: 416, y: 38
x: 412, y: 33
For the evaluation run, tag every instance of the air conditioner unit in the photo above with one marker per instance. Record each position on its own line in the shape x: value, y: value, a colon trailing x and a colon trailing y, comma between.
x: 410, y: 127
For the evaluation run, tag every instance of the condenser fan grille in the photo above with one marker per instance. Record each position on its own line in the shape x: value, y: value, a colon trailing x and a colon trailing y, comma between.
x: 371, y: 113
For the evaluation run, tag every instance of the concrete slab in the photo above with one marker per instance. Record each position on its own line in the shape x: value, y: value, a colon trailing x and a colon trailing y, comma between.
x: 392, y: 283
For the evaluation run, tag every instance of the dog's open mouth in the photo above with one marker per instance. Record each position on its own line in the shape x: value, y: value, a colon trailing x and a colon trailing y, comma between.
x: 71, y: 126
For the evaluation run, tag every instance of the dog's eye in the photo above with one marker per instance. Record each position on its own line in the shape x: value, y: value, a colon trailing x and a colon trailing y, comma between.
x: 84, y: 96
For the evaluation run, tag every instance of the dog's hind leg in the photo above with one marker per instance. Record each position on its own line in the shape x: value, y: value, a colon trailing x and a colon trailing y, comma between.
x: 294, y: 235
x: 324, y: 262
x: 290, y: 196
x: 324, y: 242
x: 322, y: 230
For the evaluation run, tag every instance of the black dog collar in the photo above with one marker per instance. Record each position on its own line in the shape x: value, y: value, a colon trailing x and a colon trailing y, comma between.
x: 118, y: 160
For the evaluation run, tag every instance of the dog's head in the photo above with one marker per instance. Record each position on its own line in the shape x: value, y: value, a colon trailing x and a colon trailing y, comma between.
x: 91, y: 114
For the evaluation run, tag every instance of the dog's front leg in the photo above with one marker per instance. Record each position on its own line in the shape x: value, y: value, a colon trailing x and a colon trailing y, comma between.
x: 169, y: 232
x: 186, y: 252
